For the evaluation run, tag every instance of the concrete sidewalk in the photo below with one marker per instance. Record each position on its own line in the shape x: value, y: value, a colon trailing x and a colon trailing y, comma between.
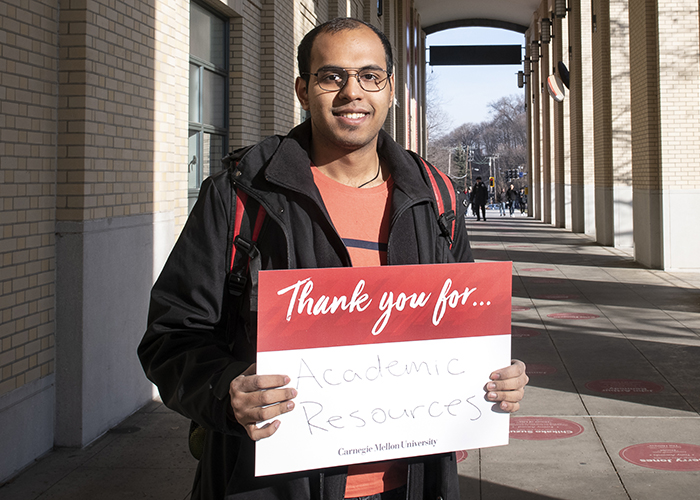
x: 613, y: 354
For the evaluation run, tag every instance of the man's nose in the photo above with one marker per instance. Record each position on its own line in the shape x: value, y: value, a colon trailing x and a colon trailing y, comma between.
x: 352, y: 88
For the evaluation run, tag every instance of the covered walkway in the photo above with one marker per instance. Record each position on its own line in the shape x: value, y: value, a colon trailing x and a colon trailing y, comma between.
x: 612, y: 351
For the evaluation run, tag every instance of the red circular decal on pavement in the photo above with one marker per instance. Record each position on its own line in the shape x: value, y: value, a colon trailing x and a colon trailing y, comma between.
x: 534, y: 369
x: 543, y: 428
x: 537, y: 269
x: 664, y: 456
x: 519, y: 308
x: 557, y: 296
x: 461, y: 455
x: 522, y: 332
x: 624, y: 386
x: 573, y: 316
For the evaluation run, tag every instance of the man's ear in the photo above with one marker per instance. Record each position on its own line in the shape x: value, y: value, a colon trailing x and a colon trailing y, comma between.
x: 301, y: 87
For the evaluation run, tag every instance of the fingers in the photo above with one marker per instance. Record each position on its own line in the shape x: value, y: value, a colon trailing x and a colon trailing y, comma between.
x: 256, y: 398
x: 507, y: 386
x: 515, y: 369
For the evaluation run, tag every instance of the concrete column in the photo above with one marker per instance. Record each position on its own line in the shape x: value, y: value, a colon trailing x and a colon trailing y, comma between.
x: 535, y: 196
x: 581, y: 119
x: 558, y: 137
x: 546, y: 135
x: 565, y: 127
x: 621, y: 123
x: 665, y: 121
x: 602, y: 116
x: 278, y: 68
x: 611, y: 106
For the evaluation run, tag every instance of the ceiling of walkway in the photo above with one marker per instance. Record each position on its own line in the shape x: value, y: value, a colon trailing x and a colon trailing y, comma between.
x: 437, y: 15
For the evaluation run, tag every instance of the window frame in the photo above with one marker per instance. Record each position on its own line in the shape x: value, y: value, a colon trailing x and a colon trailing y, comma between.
x: 199, y: 128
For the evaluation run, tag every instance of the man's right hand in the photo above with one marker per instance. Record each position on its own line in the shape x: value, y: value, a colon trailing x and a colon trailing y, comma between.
x: 256, y: 398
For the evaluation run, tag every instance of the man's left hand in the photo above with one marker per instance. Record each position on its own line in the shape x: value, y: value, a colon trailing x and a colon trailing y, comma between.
x: 508, y: 386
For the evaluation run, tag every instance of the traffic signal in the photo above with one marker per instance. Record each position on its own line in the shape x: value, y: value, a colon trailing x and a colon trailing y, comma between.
x: 491, y: 182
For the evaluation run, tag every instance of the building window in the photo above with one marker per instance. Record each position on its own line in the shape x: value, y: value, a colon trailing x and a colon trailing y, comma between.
x: 208, y: 96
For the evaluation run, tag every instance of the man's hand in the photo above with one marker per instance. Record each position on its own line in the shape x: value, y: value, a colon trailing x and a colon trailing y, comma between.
x: 508, y: 386
x: 256, y: 398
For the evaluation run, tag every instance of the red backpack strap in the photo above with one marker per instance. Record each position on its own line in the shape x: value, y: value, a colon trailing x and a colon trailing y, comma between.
x: 445, y: 198
x: 248, y: 222
x: 248, y: 217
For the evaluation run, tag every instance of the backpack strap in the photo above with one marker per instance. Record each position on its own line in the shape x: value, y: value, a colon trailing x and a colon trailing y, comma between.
x: 248, y: 222
x: 444, y: 197
x: 248, y: 217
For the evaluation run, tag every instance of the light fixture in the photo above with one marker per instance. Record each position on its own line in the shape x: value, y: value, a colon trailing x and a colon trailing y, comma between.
x: 521, y: 79
x: 535, y: 51
x: 545, y: 30
x: 526, y: 66
x: 560, y: 8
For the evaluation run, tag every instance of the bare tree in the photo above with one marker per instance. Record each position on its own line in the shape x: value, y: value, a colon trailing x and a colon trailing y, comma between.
x: 438, y: 121
x: 468, y: 147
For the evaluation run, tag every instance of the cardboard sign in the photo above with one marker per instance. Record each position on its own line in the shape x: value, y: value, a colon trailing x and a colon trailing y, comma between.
x: 389, y: 362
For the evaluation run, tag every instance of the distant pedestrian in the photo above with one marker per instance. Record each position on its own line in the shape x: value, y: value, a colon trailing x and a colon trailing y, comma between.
x: 467, y: 201
x: 512, y: 197
x: 501, y: 201
x: 523, y: 201
x: 480, y: 195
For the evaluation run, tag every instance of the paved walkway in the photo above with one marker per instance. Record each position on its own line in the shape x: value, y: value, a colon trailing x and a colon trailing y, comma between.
x: 613, y: 353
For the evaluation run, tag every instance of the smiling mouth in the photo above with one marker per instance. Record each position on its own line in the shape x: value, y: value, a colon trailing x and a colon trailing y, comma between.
x: 352, y: 116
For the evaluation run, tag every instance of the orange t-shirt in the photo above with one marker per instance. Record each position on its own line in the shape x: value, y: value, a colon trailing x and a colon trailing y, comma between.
x: 361, y: 217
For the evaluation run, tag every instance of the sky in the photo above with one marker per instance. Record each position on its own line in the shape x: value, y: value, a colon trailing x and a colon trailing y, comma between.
x: 467, y: 90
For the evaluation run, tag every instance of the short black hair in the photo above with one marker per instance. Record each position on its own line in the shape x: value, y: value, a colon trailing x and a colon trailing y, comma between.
x: 335, y: 26
x: 478, y: 178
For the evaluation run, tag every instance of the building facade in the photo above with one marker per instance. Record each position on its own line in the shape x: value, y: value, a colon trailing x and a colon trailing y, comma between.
x: 618, y: 158
x: 112, y: 113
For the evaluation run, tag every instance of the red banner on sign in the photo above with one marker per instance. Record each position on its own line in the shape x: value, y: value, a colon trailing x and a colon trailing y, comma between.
x: 308, y: 308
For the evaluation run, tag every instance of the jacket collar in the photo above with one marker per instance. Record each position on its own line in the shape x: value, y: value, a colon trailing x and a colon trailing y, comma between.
x: 285, y: 162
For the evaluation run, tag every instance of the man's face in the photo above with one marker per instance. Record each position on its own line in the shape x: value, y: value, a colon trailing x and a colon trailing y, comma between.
x: 349, y: 119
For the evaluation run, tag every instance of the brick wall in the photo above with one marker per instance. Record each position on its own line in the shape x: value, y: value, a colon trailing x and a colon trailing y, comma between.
x: 28, y: 100
x: 679, y: 73
x: 644, y: 73
x: 106, y: 103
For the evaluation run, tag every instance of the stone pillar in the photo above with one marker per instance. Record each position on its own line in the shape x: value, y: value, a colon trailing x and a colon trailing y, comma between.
x: 546, y: 125
x: 665, y: 122
x: 278, y: 68
x: 121, y: 192
x: 535, y: 191
x: 612, y: 123
x: 558, y: 135
x: 621, y: 123
x: 581, y: 118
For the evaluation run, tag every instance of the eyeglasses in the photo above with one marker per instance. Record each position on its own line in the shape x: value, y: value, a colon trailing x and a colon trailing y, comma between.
x: 334, y: 79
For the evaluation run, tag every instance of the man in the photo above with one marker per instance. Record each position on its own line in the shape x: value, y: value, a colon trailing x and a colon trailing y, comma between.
x: 200, y: 344
x: 512, y: 196
x: 480, y: 195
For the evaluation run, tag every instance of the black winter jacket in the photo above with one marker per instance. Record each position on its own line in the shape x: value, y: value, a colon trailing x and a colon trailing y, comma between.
x: 199, y: 338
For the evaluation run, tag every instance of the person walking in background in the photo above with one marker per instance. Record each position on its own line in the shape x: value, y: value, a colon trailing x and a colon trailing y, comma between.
x: 501, y: 200
x: 512, y: 197
x: 523, y: 200
x: 467, y: 201
x: 480, y: 195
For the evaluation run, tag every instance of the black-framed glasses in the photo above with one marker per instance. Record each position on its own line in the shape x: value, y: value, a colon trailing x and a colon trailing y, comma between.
x: 334, y: 79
